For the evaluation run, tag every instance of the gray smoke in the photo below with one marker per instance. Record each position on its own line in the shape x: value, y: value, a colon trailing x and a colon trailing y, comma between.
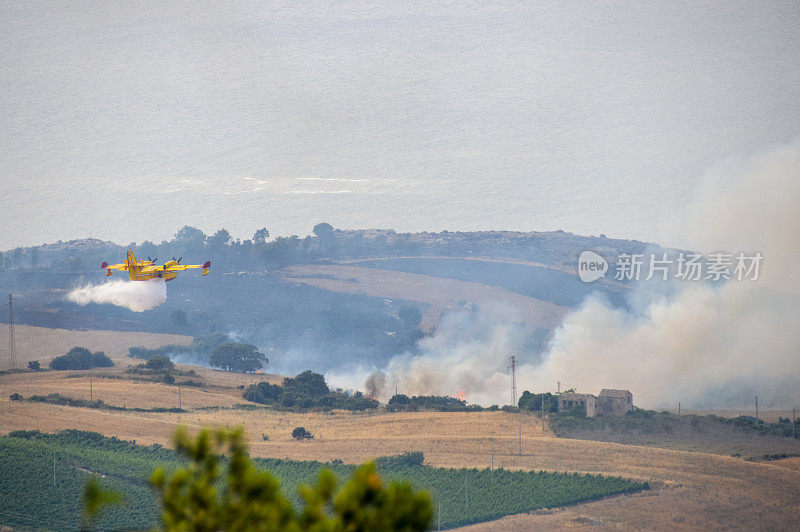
x: 706, y: 346
x: 375, y: 385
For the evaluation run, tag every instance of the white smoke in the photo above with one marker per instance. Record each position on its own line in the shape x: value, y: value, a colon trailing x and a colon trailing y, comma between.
x: 469, y: 354
x: 706, y: 346
x: 137, y: 296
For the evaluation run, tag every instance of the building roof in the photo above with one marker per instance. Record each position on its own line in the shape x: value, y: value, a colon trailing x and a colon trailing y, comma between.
x: 573, y: 395
x: 615, y: 394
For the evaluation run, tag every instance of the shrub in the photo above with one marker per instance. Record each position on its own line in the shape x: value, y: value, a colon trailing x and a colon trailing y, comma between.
x: 307, y: 384
x: 263, y: 392
x: 407, y: 459
x: 81, y: 358
x: 307, y: 390
x: 34, y: 365
x: 159, y: 363
x: 300, y: 433
x: 233, y: 494
x: 534, y: 401
x: 15, y: 397
x: 439, y: 403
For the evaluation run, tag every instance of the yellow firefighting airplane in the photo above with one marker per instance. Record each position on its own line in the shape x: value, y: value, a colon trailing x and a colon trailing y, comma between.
x: 144, y: 270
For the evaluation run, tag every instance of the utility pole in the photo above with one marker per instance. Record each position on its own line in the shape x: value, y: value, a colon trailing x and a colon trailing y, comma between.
x: 90, y: 388
x: 756, y: 411
x: 794, y: 423
x: 513, y: 366
x: 679, y: 408
x: 559, y: 388
x: 180, y: 406
x: 543, y: 406
x: 12, y: 351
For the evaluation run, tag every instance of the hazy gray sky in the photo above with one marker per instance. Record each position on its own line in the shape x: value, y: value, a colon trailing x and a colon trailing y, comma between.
x: 127, y: 120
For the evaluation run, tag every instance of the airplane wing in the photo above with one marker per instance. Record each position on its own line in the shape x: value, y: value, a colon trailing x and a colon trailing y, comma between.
x: 183, y: 267
x: 118, y: 267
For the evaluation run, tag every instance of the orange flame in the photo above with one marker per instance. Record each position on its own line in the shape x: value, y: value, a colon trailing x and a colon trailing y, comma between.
x: 461, y: 396
x: 259, y: 371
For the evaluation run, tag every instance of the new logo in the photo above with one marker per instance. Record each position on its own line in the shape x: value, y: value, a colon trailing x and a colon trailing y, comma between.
x: 591, y: 266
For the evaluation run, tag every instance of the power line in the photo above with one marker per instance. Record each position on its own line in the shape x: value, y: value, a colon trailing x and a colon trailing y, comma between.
x: 513, y: 366
x: 756, y: 411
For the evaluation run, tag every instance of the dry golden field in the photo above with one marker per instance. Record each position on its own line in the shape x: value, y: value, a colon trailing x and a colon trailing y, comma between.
x: 42, y: 344
x: 691, y: 490
x: 438, y: 293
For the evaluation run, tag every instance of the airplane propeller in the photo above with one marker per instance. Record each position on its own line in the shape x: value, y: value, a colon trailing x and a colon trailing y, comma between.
x: 178, y: 260
x: 152, y: 260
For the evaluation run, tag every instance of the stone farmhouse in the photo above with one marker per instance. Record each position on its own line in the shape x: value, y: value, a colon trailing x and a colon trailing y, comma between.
x: 608, y: 403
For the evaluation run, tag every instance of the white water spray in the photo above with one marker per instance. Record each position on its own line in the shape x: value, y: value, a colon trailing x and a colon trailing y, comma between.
x: 137, y: 296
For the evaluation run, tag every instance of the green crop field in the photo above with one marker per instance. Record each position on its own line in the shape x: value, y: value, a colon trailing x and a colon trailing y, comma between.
x: 42, y: 477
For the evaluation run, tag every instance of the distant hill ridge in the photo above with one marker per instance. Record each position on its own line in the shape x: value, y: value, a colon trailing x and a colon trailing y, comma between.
x: 554, y: 248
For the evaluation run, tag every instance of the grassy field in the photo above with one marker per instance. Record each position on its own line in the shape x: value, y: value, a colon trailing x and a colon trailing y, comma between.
x: 688, y: 432
x: 690, y: 489
x: 437, y: 293
x: 43, y: 344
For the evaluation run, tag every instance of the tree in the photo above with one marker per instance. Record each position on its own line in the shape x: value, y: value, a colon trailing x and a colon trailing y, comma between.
x: 534, y: 401
x: 189, y: 239
x: 81, y: 358
x: 283, y: 250
x: 300, y: 433
x: 307, y: 384
x: 234, y: 356
x: 34, y: 365
x: 205, y: 497
x: 323, y: 230
x: 219, y: 240
x: 260, y: 237
x: 159, y: 363
x: 410, y: 315
x: 263, y: 392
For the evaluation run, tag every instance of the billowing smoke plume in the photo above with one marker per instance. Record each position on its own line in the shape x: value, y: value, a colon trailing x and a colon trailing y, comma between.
x: 376, y: 385
x: 706, y: 346
x: 468, y: 353
x: 137, y: 296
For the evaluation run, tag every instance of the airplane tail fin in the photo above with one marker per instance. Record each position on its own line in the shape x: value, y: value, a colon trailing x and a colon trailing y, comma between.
x: 206, y: 267
x: 133, y: 266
